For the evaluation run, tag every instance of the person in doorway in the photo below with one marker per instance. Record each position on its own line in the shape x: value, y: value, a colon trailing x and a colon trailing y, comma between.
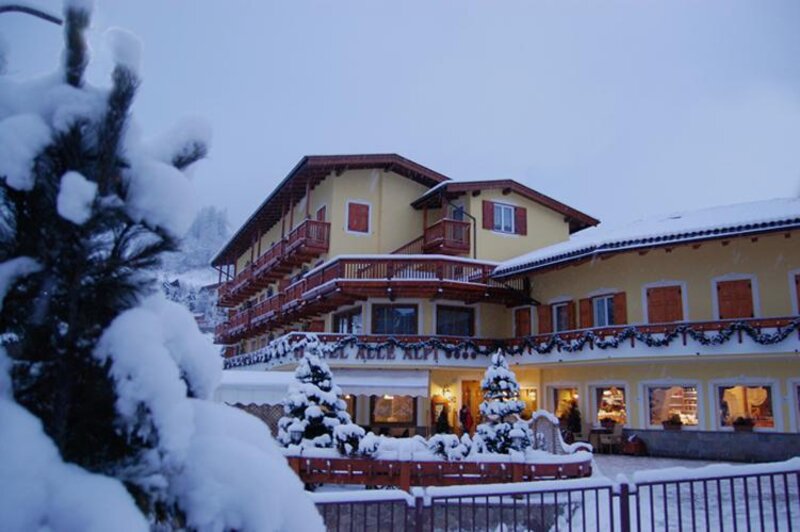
x: 465, y: 418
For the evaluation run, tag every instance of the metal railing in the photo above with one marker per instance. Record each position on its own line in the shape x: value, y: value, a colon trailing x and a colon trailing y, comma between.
x: 707, y: 499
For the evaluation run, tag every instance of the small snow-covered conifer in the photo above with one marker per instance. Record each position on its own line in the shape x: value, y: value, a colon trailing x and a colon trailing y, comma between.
x: 315, y: 408
x: 501, y: 408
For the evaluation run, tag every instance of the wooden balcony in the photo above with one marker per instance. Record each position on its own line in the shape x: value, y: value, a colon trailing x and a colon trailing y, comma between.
x: 447, y: 237
x: 346, y: 280
x: 307, y: 241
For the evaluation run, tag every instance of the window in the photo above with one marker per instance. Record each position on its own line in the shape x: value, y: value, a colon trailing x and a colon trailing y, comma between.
x: 348, y: 322
x: 503, y: 218
x: 664, y: 304
x: 394, y: 319
x: 666, y: 401
x: 455, y: 321
x: 561, y: 317
x: 754, y: 402
x: 610, y: 404
x: 457, y: 212
x: 603, y: 308
x: 563, y: 398
x: 350, y: 401
x: 358, y: 217
x: 530, y: 397
x: 392, y: 410
x: 735, y: 299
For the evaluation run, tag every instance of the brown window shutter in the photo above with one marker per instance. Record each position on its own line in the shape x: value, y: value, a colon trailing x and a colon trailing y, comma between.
x: 664, y: 304
x: 571, y: 315
x: 523, y: 321
x: 735, y: 299
x: 358, y: 217
x: 620, y: 309
x: 586, y: 312
x: 545, y: 318
x: 488, y: 214
x: 521, y: 220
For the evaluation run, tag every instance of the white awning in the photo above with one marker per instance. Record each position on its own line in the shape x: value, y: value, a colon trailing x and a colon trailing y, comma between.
x: 271, y: 387
x: 383, y: 381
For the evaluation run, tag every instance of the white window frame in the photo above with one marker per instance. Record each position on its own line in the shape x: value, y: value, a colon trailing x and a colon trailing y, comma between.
x: 594, y: 407
x: 368, y: 232
x: 793, y: 387
x: 609, y: 298
x: 644, y: 401
x: 344, y: 310
x: 793, y: 291
x: 666, y: 283
x: 554, y: 316
x: 736, y: 277
x: 777, y: 412
x: 503, y: 207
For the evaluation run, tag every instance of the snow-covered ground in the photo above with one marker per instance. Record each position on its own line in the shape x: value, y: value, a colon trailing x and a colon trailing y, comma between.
x: 612, y: 465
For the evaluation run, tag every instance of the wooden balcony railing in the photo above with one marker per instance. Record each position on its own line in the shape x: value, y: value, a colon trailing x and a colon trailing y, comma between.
x: 449, y: 237
x: 370, y: 276
x: 308, y: 240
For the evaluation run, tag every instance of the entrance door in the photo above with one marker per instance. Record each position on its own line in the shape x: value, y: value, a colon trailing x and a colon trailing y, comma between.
x: 472, y: 396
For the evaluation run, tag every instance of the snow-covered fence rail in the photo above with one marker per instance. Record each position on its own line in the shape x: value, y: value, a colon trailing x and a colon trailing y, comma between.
x: 763, y: 497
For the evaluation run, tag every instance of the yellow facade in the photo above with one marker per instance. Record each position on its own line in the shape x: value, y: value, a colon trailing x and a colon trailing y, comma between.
x: 717, y: 374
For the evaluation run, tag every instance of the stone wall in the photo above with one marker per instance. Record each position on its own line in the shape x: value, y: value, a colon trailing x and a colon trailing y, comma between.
x: 711, y: 445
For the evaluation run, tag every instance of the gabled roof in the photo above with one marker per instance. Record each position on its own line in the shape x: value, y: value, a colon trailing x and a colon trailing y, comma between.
x: 309, y: 172
x: 661, y: 231
x: 452, y: 189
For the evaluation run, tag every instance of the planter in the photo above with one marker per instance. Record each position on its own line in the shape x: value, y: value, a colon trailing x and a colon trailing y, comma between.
x: 671, y: 426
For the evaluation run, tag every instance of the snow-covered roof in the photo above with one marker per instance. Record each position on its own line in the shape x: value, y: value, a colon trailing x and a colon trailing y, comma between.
x: 664, y: 230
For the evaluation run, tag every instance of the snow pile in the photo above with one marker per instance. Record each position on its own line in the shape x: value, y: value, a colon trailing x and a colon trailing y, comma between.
x: 22, y: 137
x: 126, y: 48
x: 42, y: 492
x: 75, y: 197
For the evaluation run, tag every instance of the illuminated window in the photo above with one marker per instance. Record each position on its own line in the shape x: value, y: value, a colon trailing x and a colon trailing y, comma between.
x: 563, y: 399
x: 350, y: 401
x: 754, y: 402
x: 530, y: 397
x: 393, y: 410
x: 665, y: 401
x: 610, y: 404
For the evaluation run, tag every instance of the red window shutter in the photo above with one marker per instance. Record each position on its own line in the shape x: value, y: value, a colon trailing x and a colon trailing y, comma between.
x: 520, y: 220
x: 586, y: 312
x: 358, y: 217
x: 545, y: 318
x: 735, y: 299
x: 620, y: 309
x: 488, y: 214
x: 571, y: 315
x: 522, y: 321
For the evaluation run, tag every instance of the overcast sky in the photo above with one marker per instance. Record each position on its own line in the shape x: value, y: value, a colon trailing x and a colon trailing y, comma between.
x: 617, y: 108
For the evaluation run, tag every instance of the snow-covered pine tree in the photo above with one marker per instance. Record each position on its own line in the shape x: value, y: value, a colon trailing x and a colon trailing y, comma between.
x: 98, y: 369
x: 500, y: 408
x: 314, y: 406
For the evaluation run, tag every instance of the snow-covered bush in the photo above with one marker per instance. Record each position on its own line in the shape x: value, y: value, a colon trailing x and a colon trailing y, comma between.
x: 104, y: 408
x: 450, y: 447
x: 314, y: 406
x: 347, y: 439
x: 502, y: 428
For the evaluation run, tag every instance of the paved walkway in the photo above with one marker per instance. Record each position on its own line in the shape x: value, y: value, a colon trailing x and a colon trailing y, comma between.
x: 612, y: 465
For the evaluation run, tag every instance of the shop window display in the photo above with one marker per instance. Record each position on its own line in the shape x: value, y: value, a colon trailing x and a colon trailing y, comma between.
x: 391, y: 410
x: 753, y: 402
x: 666, y: 401
x: 610, y: 401
x: 530, y: 397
